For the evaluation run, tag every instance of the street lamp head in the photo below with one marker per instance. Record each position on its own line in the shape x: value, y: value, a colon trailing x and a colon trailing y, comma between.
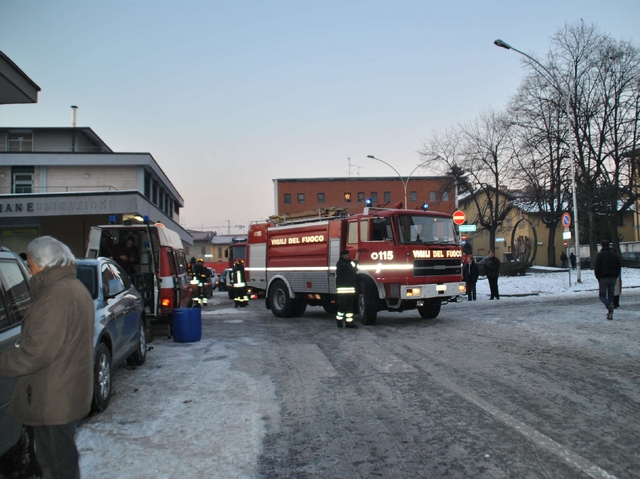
x: 502, y: 44
x: 616, y: 55
x: 371, y: 156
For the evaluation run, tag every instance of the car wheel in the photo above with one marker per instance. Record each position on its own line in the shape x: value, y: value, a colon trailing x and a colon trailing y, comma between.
x: 101, y: 379
x: 140, y: 355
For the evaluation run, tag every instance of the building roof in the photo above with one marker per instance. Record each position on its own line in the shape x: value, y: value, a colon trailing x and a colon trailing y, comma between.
x: 228, y: 239
x: 358, y: 178
x: 15, y: 85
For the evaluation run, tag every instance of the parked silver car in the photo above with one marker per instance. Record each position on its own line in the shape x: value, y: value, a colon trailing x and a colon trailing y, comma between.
x: 119, y: 323
x: 15, y: 299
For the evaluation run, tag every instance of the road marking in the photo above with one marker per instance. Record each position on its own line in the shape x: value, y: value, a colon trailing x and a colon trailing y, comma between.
x: 535, y: 436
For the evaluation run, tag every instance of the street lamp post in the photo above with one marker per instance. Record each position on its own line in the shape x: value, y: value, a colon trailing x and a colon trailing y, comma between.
x: 565, y: 95
x: 404, y: 182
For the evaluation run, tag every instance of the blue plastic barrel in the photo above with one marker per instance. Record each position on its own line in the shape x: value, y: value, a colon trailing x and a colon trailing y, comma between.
x: 187, y: 325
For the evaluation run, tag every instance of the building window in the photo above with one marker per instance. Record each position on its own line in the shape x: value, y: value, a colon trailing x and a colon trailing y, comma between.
x: 147, y: 184
x: 320, y: 198
x: 301, y: 198
x: 413, y: 196
x: 219, y: 252
x: 432, y: 196
x: 347, y: 197
x: 361, y: 197
x: 22, y: 179
x: 374, y: 196
x: 445, y: 196
x: 287, y: 198
x: 154, y: 192
x: 387, y: 197
x: 20, y: 141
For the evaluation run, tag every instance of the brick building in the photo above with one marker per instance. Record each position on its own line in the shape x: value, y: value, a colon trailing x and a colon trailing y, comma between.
x: 310, y: 194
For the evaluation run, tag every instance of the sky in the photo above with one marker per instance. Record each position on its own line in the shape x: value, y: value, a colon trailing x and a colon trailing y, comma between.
x: 229, y: 95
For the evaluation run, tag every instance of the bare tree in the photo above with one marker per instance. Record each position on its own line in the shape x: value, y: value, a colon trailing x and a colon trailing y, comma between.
x: 541, y: 153
x: 603, y: 115
x: 479, y: 155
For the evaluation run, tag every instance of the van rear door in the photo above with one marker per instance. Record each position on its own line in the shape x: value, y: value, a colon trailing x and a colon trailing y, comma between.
x: 93, y: 246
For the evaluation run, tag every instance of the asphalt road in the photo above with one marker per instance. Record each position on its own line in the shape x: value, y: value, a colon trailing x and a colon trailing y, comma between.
x: 514, y: 388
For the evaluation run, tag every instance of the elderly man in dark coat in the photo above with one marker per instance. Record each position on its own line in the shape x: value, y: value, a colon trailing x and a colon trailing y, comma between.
x: 54, y: 359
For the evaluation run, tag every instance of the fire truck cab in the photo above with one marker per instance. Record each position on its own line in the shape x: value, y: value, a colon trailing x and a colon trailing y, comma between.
x: 407, y: 259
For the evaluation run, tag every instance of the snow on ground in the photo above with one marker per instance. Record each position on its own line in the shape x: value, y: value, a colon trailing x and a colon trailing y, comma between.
x: 546, y: 281
x: 211, y: 420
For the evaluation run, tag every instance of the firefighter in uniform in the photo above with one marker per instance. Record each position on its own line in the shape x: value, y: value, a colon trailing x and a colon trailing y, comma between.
x: 200, y: 275
x: 239, y: 282
x: 346, y: 289
x: 190, y: 265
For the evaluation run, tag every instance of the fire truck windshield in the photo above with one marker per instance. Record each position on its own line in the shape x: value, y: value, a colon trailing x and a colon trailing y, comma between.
x: 417, y: 229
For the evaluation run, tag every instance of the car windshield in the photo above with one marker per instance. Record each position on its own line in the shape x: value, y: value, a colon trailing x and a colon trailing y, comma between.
x: 418, y: 229
x: 87, y: 276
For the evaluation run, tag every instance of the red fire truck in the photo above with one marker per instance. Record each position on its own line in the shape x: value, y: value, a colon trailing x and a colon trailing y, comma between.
x: 408, y: 259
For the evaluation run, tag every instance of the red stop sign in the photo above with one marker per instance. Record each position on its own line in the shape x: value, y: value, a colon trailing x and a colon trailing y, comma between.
x: 458, y: 217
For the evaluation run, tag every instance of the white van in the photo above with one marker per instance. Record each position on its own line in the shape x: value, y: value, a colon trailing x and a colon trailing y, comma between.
x: 161, y: 274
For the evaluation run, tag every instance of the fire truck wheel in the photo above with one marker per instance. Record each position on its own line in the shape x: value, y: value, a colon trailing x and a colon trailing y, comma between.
x: 298, y: 307
x: 429, y: 310
x: 279, y: 300
x: 331, y: 308
x: 367, y: 303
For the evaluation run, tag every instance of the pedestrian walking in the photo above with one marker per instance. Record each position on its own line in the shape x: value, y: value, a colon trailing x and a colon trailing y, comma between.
x: 607, y: 270
x: 346, y: 289
x: 572, y: 260
x: 470, y: 276
x: 53, y: 362
x: 563, y: 259
x: 492, y: 270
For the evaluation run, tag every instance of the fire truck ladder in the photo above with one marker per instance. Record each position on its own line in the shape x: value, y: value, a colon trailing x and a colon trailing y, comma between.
x: 307, y: 216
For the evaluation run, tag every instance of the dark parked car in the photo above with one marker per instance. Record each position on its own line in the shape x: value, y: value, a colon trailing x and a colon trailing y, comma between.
x: 222, y: 285
x: 15, y: 299
x: 119, y: 334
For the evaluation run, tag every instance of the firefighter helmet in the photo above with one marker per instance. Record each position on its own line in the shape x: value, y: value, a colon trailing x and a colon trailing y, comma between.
x: 200, y: 260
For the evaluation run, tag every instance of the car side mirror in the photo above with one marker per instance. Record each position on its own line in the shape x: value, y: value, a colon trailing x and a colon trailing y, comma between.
x: 115, y: 287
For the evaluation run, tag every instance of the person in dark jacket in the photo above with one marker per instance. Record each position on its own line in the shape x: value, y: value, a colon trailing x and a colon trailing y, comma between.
x: 470, y: 275
x: 563, y: 259
x: 53, y: 362
x: 607, y: 270
x: 346, y: 290
x: 126, y: 255
x: 572, y: 260
x: 492, y: 270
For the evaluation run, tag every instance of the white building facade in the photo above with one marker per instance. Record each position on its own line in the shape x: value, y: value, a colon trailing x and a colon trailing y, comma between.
x: 61, y: 181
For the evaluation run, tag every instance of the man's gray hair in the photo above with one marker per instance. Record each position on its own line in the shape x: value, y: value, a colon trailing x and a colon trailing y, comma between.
x: 46, y: 251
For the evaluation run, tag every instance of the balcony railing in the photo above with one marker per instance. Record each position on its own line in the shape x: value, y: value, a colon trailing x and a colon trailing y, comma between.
x: 8, y: 190
x: 52, y: 149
